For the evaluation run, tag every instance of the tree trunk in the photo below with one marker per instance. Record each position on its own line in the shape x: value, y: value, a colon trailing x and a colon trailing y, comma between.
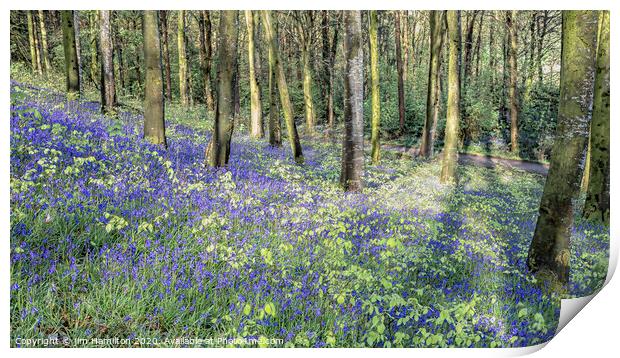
x: 478, y: 42
x: 541, y: 41
x: 330, y: 96
x: 353, y: 143
x: 108, y: 92
x: 44, y: 48
x: 432, y: 98
x: 219, y: 151
x: 399, y: 69
x: 206, y: 20
x: 163, y: 15
x: 597, y: 199
x: 154, y: 126
x: 285, y: 99
x: 256, y: 115
x: 450, y: 148
x: 71, y: 59
x: 275, y: 135
x: 374, y: 90
x: 183, y: 90
x: 549, y: 252
x: 37, y: 48
x: 93, y: 19
x: 78, y: 51
x: 469, y: 38
x: 512, y: 87
x: 31, y: 41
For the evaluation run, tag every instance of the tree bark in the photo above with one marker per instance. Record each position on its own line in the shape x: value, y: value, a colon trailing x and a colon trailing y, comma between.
x: 205, y: 19
x: 374, y: 90
x: 399, y: 70
x: 597, y: 198
x: 163, y: 15
x: 353, y: 144
x: 285, y: 99
x: 154, y: 126
x: 218, y: 152
x: 44, y: 48
x: 108, y: 92
x: 183, y: 89
x: 275, y: 135
x: 512, y: 87
x: 256, y: 115
x: 549, y: 252
x: 31, y: 41
x: 450, y: 149
x: 432, y: 98
x: 71, y: 59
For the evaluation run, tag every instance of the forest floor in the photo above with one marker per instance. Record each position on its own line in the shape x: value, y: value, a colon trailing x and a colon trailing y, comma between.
x: 483, y: 160
x: 114, y: 237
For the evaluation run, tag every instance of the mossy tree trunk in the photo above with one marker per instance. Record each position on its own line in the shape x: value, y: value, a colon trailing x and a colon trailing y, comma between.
x: 275, y: 134
x: 37, y: 48
x: 163, y: 15
x: 256, y: 115
x: 206, y: 50
x: 285, y: 100
x: 93, y: 20
x: 549, y: 252
x: 44, y: 49
x: 374, y: 90
x: 353, y: 142
x: 31, y: 42
x: 108, y: 91
x: 432, y: 97
x: 305, y: 26
x: 154, y: 126
x: 71, y: 60
x: 450, y: 154
x: 183, y: 90
x: 399, y: 71
x: 597, y: 199
x: 218, y: 151
x: 512, y: 79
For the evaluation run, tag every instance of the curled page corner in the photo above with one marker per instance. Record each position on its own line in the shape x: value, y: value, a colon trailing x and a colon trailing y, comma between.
x: 570, y: 307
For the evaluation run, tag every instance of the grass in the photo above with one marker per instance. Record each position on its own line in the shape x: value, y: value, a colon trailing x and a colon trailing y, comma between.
x: 114, y: 238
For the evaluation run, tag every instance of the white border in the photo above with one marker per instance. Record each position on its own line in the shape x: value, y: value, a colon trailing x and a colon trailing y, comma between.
x: 593, y: 332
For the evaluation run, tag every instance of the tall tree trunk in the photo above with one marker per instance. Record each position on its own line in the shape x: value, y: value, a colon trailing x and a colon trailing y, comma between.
x: 492, y: 63
x: 31, y: 42
x: 529, y: 78
x: 432, y: 98
x: 512, y: 88
x: 37, y: 48
x: 469, y: 43
x: 122, y: 75
x: 330, y: 96
x: 450, y: 148
x: 399, y: 69
x: 256, y: 115
x: 78, y: 51
x: 275, y: 135
x: 93, y: 19
x: 218, y: 152
x: 406, y: 45
x: 44, y: 48
x: 163, y: 15
x: 285, y: 99
x: 205, y: 19
x: 478, y: 42
x: 108, y: 91
x: 353, y: 143
x: 597, y: 198
x: 541, y: 41
x: 374, y: 90
x: 71, y: 58
x: 183, y: 82
x: 549, y: 252
x: 154, y: 126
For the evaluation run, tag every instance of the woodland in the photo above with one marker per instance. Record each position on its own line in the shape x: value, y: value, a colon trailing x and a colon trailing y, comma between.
x: 310, y: 178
